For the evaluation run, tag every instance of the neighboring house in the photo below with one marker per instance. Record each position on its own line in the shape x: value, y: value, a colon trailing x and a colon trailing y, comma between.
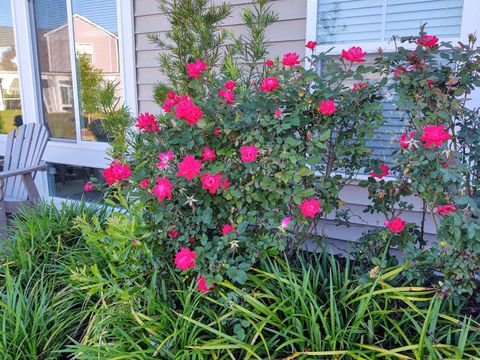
x: 124, y: 25
x: 99, y: 45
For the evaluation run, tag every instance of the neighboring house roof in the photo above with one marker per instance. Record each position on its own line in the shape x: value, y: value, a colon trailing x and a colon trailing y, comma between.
x: 83, y: 18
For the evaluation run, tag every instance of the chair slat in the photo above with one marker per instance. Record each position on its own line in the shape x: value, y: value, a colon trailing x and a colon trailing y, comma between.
x: 41, y: 145
x: 35, y: 152
x: 8, y: 156
x: 35, y: 145
x: 19, y: 189
x: 25, y: 147
x: 15, y: 159
x: 9, y: 149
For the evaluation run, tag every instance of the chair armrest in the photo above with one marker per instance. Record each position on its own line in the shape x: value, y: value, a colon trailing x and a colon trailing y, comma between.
x: 23, y: 171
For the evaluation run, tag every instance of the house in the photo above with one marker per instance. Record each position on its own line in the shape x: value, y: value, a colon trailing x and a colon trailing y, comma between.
x: 113, y: 35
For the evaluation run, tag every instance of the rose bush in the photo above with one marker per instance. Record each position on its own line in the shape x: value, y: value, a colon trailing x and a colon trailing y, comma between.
x: 246, y: 160
x: 222, y: 172
x: 436, y: 161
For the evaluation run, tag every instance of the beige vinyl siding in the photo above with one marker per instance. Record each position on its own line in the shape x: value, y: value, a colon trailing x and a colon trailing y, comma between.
x: 287, y: 35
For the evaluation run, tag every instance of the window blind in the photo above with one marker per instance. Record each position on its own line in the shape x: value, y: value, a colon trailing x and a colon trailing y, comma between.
x: 349, y: 21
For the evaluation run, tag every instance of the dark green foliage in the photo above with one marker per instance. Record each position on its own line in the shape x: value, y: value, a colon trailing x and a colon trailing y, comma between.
x: 38, y: 315
x: 87, y: 298
x: 39, y: 311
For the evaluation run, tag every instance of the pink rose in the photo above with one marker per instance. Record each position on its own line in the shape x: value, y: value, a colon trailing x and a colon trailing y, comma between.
x: 399, y: 70
x: 227, y: 229
x: 427, y: 40
x: 445, y: 209
x: 269, y: 84
x: 202, y: 285
x: 311, y: 44
x: 249, y: 153
x: 147, y: 123
x: 286, y: 222
x: 227, y: 95
x: 144, y: 183
x: 269, y: 63
x: 185, y: 259
x: 162, y: 189
x: 188, y: 111
x: 310, y: 207
x: 88, y: 187
x: 172, y: 233
x: 290, y: 59
x: 354, y: 54
x: 434, y: 135
x: 165, y: 159
x: 359, y: 86
x: 278, y: 113
x: 116, y: 172
x: 195, y: 69
x: 230, y: 85
x: 406, y: 139
x: 208, y: 154
x: 327, y: 107
x: 211, y: 182
x: 396, y: 226
x: 189, y: 167
x: 225, y: 184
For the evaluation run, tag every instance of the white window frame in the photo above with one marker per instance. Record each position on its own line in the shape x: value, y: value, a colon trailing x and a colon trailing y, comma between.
x: 470, y: 25
x: 80, y: 152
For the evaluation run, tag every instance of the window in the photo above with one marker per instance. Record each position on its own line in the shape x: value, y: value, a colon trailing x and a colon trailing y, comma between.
x: 77, y: 84
x: 10, y: 105
x: 78, y: 50
x: 372, y: 24
x: 66, y: 92
x: 85, y: 50
x: 67, y: 181
x: 51, y: 53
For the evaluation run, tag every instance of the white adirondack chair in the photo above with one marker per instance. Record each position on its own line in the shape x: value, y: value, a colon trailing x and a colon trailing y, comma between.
x: 23, y: 158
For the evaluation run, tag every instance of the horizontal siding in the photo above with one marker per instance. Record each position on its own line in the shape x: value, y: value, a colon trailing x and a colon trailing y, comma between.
x: 356, y: 199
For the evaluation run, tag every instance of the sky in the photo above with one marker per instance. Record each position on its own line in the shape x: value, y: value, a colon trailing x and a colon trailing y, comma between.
x: 5, y: 13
